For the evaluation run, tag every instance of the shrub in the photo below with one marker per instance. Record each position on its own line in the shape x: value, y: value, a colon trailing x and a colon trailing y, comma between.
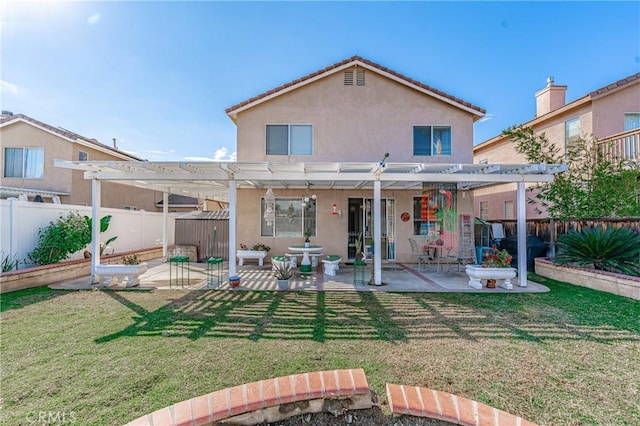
x: 58, y: 240
x: 610, y: 249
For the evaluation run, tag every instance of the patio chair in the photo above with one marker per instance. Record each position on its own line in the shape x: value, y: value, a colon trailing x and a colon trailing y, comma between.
x: 420, y: 256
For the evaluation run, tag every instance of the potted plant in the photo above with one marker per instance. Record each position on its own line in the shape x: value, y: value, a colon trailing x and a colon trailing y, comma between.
x: 283, y: 274
x: 496, y: 265
x: 307, y: 235
x: 258, y: 251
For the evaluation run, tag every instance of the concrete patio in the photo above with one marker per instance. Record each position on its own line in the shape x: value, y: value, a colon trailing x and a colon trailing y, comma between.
x: 396, y: 277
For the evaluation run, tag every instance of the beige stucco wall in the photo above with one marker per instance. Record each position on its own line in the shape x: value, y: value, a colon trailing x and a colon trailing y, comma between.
x: 608, y: 111
x: 332, y: 231
x: 21, y: 134
x: 355, y: 123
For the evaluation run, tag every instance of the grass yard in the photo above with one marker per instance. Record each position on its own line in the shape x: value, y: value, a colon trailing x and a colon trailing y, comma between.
x: 567, y: 357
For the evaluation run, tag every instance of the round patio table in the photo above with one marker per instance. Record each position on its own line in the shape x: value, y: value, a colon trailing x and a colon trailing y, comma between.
x: 305, y: 264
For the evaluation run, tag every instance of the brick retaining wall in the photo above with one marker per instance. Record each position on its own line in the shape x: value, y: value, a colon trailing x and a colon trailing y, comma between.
x: 334, y: 391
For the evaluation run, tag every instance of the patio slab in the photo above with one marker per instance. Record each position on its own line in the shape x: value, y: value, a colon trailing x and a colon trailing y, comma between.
x: 396, y: 277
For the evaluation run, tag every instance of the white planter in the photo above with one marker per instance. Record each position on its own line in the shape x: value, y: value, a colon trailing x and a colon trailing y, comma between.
x: 283, y: 284
x: 112, y: 273
x: 502, y: 275
x: 251, y: 254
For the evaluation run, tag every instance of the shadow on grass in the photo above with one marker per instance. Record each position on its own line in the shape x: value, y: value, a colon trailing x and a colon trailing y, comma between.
x: 566, y: 312
x: 21, y: 298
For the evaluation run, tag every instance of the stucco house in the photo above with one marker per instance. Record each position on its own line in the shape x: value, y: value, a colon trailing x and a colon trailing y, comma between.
x: 354, y: 152
x: 29, y: 148
x: 610, y: 114
x: 354, y: 111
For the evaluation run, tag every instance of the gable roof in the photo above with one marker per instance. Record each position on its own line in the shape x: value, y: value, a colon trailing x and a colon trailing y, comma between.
x: 591, y: 96
x: 233, y: 111
x: 66, y: 134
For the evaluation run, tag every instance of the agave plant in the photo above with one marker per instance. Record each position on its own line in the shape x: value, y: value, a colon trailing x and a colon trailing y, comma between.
x: 610, y: 249
x: 282, y: 271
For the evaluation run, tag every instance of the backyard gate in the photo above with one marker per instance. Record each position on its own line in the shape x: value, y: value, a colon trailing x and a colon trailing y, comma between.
x: 208, y: 231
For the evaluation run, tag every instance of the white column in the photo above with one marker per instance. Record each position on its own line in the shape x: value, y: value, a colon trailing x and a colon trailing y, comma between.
x: 165, y: 219
x: 14, y: 228
x: 377, y: 234
x: 232, y: 227
x: 95, y: 229
x: 522, y: 235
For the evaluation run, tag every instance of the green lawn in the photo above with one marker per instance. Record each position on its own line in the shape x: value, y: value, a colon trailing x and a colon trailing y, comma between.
x: 567, y: 357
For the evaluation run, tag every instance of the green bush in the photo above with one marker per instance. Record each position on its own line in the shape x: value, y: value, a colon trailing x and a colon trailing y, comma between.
x: 64, y: 237
x: 610, y: 249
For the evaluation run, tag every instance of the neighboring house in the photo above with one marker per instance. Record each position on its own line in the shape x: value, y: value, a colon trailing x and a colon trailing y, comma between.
x: 29, y: 148
x: 610, y: 114
x: 182, y: 203
x: 353, y: 111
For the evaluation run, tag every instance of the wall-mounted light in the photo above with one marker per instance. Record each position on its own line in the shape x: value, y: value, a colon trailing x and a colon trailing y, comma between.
x: 269, y: 211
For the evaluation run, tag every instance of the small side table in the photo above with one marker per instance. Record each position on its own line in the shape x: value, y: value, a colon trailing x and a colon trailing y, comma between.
x: 179, y: 261
x: 214, y: 264
x: 358, y: 272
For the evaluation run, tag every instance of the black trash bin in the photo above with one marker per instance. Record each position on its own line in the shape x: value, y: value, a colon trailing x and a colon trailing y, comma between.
x: 535, y: 248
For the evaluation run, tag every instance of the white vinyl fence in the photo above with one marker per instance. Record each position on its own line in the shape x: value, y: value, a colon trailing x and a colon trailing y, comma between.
x: 21, y: 220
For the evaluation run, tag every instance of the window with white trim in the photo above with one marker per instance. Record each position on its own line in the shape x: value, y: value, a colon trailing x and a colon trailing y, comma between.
x: 291, y: 220
x: 25, y: 163
x: 289, y: 139
x: 571, y: 132
x: 431, y: 140
x: 631, y: 120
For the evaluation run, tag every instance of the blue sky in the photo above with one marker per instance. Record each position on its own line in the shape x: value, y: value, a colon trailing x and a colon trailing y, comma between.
x: 158, y: 75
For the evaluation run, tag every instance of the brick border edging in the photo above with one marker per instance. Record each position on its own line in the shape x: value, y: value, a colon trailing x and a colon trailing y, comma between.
x: 276, y: 399
x: 423, y: 402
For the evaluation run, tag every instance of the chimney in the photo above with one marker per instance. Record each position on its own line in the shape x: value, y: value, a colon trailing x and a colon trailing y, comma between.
x: 114, y: 144
x: 550, y: 98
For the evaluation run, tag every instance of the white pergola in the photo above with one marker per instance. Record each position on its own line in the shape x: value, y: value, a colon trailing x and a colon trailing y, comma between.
x: 220, y: 180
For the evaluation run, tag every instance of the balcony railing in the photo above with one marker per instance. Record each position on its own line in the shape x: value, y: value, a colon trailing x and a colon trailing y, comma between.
x: 623, y: 146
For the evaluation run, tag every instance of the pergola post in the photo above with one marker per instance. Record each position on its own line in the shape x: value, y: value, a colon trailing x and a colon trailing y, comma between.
x: 232, y: 227
x: 95, y: 229
x: 522, y: 235
x: 377, y: 234
x: 165, y: 218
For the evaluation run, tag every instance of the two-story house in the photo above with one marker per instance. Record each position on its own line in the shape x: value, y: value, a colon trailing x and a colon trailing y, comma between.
x: 29, y: 148
x: 354, y: 111
x: 611, y: 114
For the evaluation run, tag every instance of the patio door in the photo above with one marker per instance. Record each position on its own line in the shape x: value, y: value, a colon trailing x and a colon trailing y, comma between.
x: 360, y: 226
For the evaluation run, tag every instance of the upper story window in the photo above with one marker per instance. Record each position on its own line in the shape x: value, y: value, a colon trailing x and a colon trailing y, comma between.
x: 571, y: 131
x: 432, y: 140
x: 349, y: 79
x: 484, y: 210
x: 27, y: 163
x: 83, y: 156
x: 631, y: 120
x: 508, y: 210
x: 289, y: 139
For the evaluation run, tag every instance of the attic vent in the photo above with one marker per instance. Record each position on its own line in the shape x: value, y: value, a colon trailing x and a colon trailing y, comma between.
x: 348, y: 77
x: 359, y: 77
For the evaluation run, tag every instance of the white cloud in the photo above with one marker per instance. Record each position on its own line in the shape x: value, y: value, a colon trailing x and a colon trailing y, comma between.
x: 222, y: 154
x: 487, y: 117
x: 12, y: 88
x: 94, y: 19
x: 189, y: 158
